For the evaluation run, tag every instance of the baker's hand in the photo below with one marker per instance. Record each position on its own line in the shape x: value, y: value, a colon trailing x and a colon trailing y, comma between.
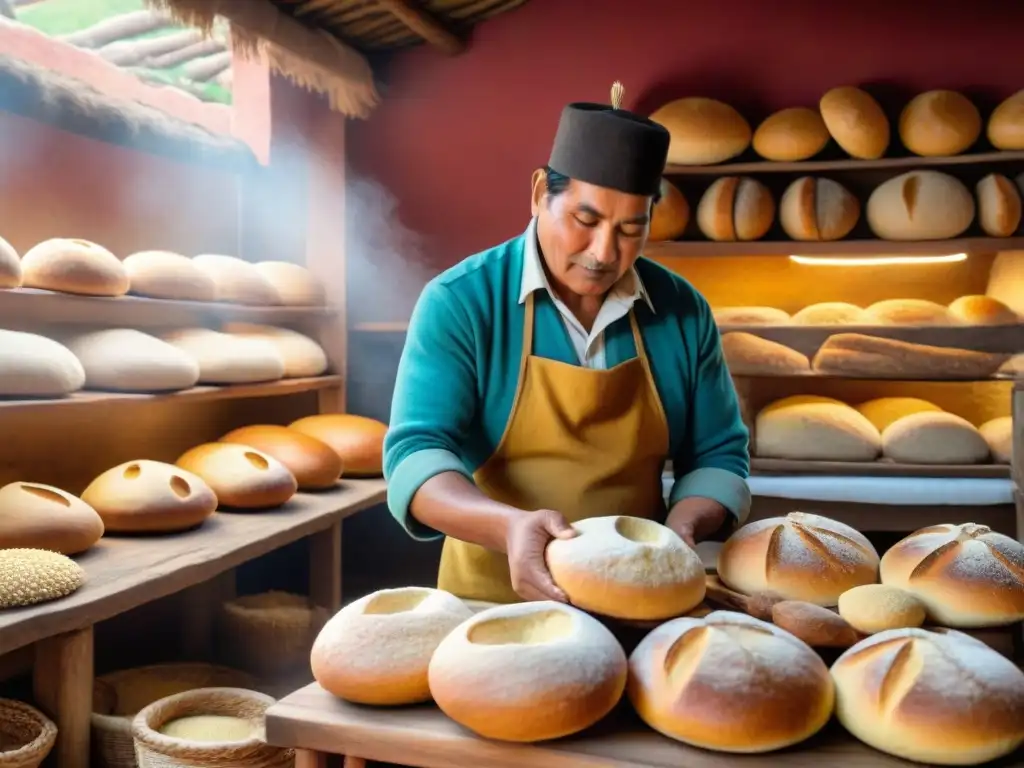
x: 527, y: 538
x: 695, y: 518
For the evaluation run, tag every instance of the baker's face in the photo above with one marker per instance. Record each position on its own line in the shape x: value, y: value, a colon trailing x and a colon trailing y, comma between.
x: 590, y: 236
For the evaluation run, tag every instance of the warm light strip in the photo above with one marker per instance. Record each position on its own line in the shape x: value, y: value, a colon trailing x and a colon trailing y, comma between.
x: 875, y: 261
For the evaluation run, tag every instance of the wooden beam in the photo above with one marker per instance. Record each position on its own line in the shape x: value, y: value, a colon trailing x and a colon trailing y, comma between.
x: 424, y: 26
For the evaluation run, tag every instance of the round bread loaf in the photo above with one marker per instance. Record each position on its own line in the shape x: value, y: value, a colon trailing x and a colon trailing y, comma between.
x: 166, y: 275
x: 750, y: 355
x: 790, y: 135
x: 730, y: 683
x: 830, y: 313
x: 933, y: 437
x: 31, y: 576
x: 736, y: 208
x: 907, y: 312
x: 301, y: 355
x: 671, y: 214
x: 126, y: 360
x: 227, y: 359
x: 358, y: 440
x: 242, y: 477
x: 966, y: 575
x: 798, y: 557
x: 35, y: 366
x: 36, y: 516
x: 856, y: 121
x: 818, y: 209
x: 314, y: 464
x: 703, y: 131
x: 819, y: 429
x: 750, y: 316
x: 982, y: 310
x: 1006, y: 123
x: 74, y: 266
x: 150, y: 497
x: 294, y: 285
x: 627, y: 568
x: 939, y: 123
x: 920, y: 205
x: 883, y: 411
x: 528, y: 672
x: 999, y: 205
x: 236, y: 281
x: 939, y: 698
x: 872, y: 608
x: 998, y: 433
x: 10, y: 266
x: 377, y: 650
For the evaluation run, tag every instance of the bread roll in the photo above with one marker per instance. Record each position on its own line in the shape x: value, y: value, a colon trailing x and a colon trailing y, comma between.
x: 938, y: 698
x: 670, y: 216
x: 10, y: 266
x: 358, y: 440
x: 982, y: 310
x: 1006, y: 123
x: 528, y: 672
x: 1013, y: 368
x: 314, y: 464
x: 872, y: 608
x: 1006, y: 280
x: 998, y: 433
x: 907, y: 312
x: 74, y: 266
x: 126, y: 360
x: 818, y: 627
x: 933, y: 437
x: 301, y: 355
x: 236, y: 281
x: 856, y: 121
x: 34, y: 366
x: 999, y: 205
x: 790, y: 135
x: 703, y: 131
x: 939, y: 123
x: 920, y: 205
x: 750, y: 355
x: 293, y: 285
x: 830, y: 313
x: 377, y: 649
x: 729, y: 683
x: 817, y: 431
x: 818, y: 209
x: 150, y: 497
x: 883, y: 411
x: 227, y: 359
x: 736, y: 208
x: 242, y: 477
x: 854, y: 354
x: 750, y: 316
x: 166, y: 275
x: 627, y: 568
x: 798, y: 557
x: 36, y: 516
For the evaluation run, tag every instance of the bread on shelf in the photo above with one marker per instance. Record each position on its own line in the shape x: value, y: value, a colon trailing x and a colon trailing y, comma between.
x: 237, y: 281
x: 703, y: 131
x: 981, y: 310
x: 32, y: 576
x: 817, y: 209
x: 920, y: 205
x: 227, y: 359
x: 859, y: 355
x: 1006, y: 280
x: 750, y: 316
x: 301, y: 355
x: 883, y: 411
x: 358, y: 440
x: 791, y: 135
x: 998, y: 433
x: 74, y: 266
x: 931, y: 437
x: 37, y: 516
x: 856, y: 121
x: 35, y: 366
x: 907, y: 312
x: 242, y: 477
x: 736, y: 208
x: 830, y: 313
x: 294, y: 285
x: 314, y: 464
x: 126, y: 360
x: 670, y: 214
x: 10, y: 266
x: 999, y: 205
x: 1005, y: 128
x: 814, y: 428
x: 750, y: 355
x: 939, y: 123
x: 872, y: 608
x: 167, y: 275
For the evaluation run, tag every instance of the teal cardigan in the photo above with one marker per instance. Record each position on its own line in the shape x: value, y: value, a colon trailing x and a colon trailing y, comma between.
x: 458, y: 373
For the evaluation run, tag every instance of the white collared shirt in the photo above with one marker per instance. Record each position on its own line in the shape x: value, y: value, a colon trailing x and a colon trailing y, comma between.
x: 623, y: 295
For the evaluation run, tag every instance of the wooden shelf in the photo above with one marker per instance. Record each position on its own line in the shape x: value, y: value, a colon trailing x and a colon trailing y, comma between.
x: 845, y: 164
x: 679, y: 248
x: 882, y: 468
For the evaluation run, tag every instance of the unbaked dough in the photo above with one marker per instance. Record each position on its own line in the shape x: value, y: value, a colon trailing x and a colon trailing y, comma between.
x: 166, y: 275
x: 226, y: 359
x: 295, y: 286
x: 74, y: 266
x: 301, y: 355
x: 237, y: 281
x: 819, y: 429
x: 10, y: 266
x: 932, y: 437
x: 126, y: 360
x: 35, y: 366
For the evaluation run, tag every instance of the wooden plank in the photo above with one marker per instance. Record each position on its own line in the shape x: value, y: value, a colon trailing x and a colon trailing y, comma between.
x: 882, y: 468
x: 63, y: 688
x: 864, y: 247
x: 124, y: 573
x: 844, y: 164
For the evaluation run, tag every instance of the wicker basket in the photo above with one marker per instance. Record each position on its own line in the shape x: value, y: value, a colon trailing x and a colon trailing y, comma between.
x: 270, y: 634
x: 154, y: 750
x: 119, y: 696
x: 26, y: 735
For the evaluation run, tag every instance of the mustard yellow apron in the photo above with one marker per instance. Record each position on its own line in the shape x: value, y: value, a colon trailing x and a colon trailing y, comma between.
x: 583, y: 442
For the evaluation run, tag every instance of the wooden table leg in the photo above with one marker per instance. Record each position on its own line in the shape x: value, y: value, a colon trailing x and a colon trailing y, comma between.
x: 305, y: 758
x: 63, y: 683
x: 325, y: 568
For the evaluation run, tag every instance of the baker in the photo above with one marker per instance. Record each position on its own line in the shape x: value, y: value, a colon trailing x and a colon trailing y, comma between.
x: 549, y: 378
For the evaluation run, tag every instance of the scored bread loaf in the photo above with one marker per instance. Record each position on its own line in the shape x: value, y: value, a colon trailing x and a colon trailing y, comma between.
x: 10, y: 266
x: 730, y: 683
x: 302, y: 357
x: 872, y: 608
x: 855, y: 354
x: 856, y: 121
x: 966, y: 575
x: 166, y: 275
x: 1006, y: 123
x: 35, y: 366
x: 816, y: 429
x: 920, y: 205
x: 933, y: 437
x: 377, y: 650
x: 736, y: 208
x: 998, y: 433
x: 999, y: 205
x: 818, y: 209
x: 982, y: 310
x: 36, y: 516
x: 1006, y: 280
x: 830, y: 313
x: 883, y: 411
x: 242, y: 477
x: 236, y: 281
x: 126, y: 360
x: 227, y: 359
x: 939, y: 123
x: 935, y: 697
x: 314, y: 464
x: 294, y: 285
x: 790, y: 135
x: 627, y: 568
x: 907, y: 312
x: 528, y: 672
x: 702, y: 131
x: 750, y: 316
x: 798, y: 557
x: 750, y: 355
x: 670, y: 214
x: 74, y: 266
x: 358, y: 440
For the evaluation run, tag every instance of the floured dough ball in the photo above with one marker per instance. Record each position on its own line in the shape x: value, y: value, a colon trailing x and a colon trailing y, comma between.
x: 750, y: 355
x: 814, y: 428
x: 358, y: 440
x: 920, y: 205
x: 126, y: 360
x: 166, y: 275
x: 240, y: 476
x: 982, y: 310
x: 730, y: 683
x: 938, y: 698
x: 627, y: 568
x: 798, y: 557
x: 856, y: 121
x: 830, y: 313
x: 150, y: 497
x: 818, y: 209
x: 875, y: 608
x: 236, y: 281
x: 36, y: 516
x: 939, y: 123
x: 35, y: 366
x: 790, y: 135
x: 750, y: 316
x: 883, y: 411
x: 907, y: 312
x: 1006, y: 123
x: 377, y: 650
x: 528, y: 672
x: 703, y: 131
x: 998, y: 433
x: 314, y: 464
x: 934, y: 437
x: 966, y: 575
x: 999, y: 205
x: 10, y: 266
x: 301, y: 355
x: 31, y: 576
x: 227, y: 359
x: 294, y: 285
x: 736, y: 208
x: 670, y: 216
x: 74, y: 266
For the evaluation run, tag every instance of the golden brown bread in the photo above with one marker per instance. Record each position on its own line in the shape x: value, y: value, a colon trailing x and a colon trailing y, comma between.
x: 36, y: 516
x: 818, y: 209
x: 358, y: 440
x: 314, y: 464
x: 998, y: 433
x: 1006, y: 279
x: 736, y: 208
x: 907, y: 312
x: 726, y: 316
x: 999, y: 205
x: 883, y: 411
x: 671, y: 214
x: 750, y: 355
x: 1006, y: 123
x: 10, y: 266
x: 242, y: 477
x: 790, y: 135
x: 74, y: 266
x: 982, y: 310
x: 855, y: 354
x: 830, y: 313
x: 939, y: 123
x: 818, y: 627
x: 702, y: 131
x: 872, y: 608
x: 856, y: 121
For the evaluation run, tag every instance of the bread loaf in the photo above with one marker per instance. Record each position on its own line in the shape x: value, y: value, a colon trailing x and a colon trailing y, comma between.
x: 293, y: 285
x: 750, y: 316
x: 817, y: 430
x: 1006, y: 123
x: 126, y: 360
x: 920, y: 205
x: 818, y: 209
x: 703, y: 131
x: 907, y: 312
x: 227, y: 359
x: 939, y: 123
x: 36, y: 516
x: 730, y: 683
x: 236, y: 281
x: 966, y: 575
x: 818, y: 627
x: 377, y: 649
x: 856, y: 121
x: 933, y: 437
x: 301, y: 355
x: 627, y: 568
x: 358, y: 440
x: 670, y: 215
x: 750, y: 355
x: 854, y: 354
x: 938, y: 698
x: 10, y: 266
x: 798, y: 557
x: 242, y: 477
x: 166, y: 275
x: 998, y: 433
x: 314, y: 464
x: 830, y: 313
x: 1006, y: 280
x: 982, y: 310
x: 34, y: 366
x: 74, y: 266
x: 150, y: 497
x: 1013, y: 368
x: 883, y: 411
x: 31, y: 576
x: 528, y: 672
x: 736, y: 208
x: 872, y: 608
x: 791, y: 135
x: 999, y: 205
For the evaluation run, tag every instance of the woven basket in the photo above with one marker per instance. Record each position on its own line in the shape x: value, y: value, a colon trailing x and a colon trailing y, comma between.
x: 270, y: 634
x: 154, y: 750
x: 26, y: 735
